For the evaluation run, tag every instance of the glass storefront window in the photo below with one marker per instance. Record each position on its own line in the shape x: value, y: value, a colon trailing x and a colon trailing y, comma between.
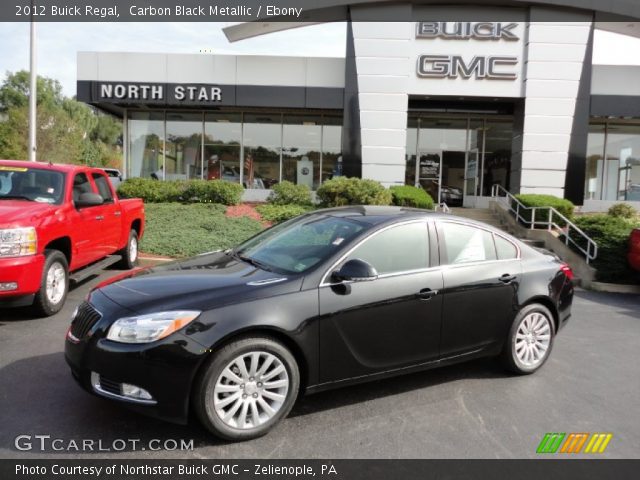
x: 262, y: 147
x: 146, y: 140
x: 497, y: 155
x: 410, y: 157
x: 183, y: 156
x: 301, y: 137
x: 331, y: 147
x: 623, y: 162
x: 222, y: 139
x: 613, y: 162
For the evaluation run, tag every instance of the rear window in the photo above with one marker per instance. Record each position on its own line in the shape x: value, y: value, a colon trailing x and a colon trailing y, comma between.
x: 506, y: 250
x: 467, y: 244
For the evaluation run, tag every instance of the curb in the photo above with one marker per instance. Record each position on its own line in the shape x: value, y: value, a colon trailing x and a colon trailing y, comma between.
x: 150, y: 260
x: 614, y: 288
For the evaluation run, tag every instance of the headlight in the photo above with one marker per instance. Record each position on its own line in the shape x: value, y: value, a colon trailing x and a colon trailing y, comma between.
x: 150, y: 327
x: 18, y: 242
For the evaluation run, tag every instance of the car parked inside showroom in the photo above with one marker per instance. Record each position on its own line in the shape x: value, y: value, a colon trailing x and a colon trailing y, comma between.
x: 325, y: 300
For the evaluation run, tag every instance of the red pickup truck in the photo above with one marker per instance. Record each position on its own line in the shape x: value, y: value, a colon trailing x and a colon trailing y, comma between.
x: 60, y: 223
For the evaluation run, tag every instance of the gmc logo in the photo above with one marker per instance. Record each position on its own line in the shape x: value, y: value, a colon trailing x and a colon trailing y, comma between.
x: 453, y: 66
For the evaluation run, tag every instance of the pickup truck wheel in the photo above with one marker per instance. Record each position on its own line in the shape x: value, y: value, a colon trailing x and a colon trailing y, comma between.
x: 54, y: 285
x: 130, y: 252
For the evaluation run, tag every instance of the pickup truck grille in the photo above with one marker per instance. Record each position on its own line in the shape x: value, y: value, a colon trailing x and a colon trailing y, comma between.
x: 86, y: 318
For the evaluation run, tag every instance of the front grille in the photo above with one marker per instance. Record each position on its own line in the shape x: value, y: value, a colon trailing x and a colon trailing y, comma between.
x: 110, y: 386
x: 86, y: 318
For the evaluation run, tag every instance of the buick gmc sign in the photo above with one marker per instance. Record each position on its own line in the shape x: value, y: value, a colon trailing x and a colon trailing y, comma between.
x: 455, y: 65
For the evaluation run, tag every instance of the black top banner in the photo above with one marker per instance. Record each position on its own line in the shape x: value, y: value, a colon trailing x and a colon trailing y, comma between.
x: 282, y: 10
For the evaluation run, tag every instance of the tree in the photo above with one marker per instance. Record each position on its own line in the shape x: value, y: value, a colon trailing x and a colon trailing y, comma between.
x: 14, y: 92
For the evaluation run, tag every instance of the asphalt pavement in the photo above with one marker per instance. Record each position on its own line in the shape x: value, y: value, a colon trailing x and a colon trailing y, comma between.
x: 590, y: 384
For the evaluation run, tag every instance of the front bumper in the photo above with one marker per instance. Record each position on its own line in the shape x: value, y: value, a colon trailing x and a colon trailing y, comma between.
x: 26, y: 272
x: 165, y: 368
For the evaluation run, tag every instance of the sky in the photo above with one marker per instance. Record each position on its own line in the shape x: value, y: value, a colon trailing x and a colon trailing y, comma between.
x: 58, y: 44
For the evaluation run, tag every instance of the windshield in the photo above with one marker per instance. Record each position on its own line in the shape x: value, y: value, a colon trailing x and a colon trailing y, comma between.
x: 32, y: 184
x: 297, y: 245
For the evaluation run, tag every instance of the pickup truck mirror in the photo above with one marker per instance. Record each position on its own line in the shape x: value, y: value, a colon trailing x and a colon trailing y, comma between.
x: 89, y: 199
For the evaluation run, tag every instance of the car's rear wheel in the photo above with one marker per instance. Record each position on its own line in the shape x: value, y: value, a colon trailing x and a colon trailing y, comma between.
x: 54, y: 284
x: 530, y: 340
x: 247, y: 388
x: 130, y: 252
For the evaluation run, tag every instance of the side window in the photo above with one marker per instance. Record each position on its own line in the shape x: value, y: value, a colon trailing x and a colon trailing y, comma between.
x: 103, y: 187
x: 506, y: 250
x: 465, y: 244
x: 398, y: 249
x: 81, y: 185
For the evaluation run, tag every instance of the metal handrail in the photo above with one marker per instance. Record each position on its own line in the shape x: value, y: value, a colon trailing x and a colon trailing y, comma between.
x: 591, y: 252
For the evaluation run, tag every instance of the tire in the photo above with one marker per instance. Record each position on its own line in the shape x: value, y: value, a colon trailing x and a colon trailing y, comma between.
x: 54, y: 284
x: 215, y: 385
x: 130, y: 252
x: 530, y: 340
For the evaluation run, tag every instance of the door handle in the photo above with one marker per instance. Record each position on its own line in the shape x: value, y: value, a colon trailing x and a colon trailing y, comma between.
x: 100, y: 217
x: 117, y: 214
x: 427, y: 294
x: 507, y: 278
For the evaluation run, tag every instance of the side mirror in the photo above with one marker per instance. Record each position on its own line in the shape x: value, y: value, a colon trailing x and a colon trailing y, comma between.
x: 89, y: 199
x: 356, y: 271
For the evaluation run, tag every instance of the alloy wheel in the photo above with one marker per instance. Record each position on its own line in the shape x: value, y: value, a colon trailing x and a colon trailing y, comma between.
x: 533, y: 339
x: 56, y: 283
x: 251, y: 390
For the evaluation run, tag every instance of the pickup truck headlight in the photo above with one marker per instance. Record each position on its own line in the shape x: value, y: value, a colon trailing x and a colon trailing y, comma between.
x: 18, y: 242
x: 150, y: 327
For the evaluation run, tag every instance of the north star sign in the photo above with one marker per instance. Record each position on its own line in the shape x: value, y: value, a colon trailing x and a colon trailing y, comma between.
x: 140, y: 92
x: 491, y: 67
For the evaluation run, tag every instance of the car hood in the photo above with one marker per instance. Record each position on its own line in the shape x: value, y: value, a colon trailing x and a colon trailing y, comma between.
x: 23, y: 212
x: 199, y: 283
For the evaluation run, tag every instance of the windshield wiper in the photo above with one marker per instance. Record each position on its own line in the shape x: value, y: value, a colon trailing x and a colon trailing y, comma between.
x: 15, y: 197
x: 254, y: 262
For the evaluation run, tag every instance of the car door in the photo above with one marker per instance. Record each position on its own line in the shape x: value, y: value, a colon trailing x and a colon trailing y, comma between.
x: 110, y: 214
x: 86, y: 226
x: 387, y: 323
x: 480, y: 295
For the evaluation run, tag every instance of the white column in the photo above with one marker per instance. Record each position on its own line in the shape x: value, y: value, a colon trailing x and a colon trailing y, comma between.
x: 555, y: 54
x: 382, y: 64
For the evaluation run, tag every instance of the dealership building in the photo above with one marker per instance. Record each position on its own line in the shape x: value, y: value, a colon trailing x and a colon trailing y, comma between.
x: 453, y: 99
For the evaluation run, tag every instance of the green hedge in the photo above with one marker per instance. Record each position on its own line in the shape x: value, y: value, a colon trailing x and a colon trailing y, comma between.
x: 409, y: 196
x: 288, y: 193
x: 623, y: 210
x: 352, y: 191
x: 611, y: 234
x: 280, y: 213
x: 565, y: 207
x: 187, y: 191
x: 182, y: 230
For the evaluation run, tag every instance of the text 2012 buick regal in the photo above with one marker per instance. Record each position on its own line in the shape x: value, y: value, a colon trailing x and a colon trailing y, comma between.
x: 324, y: 300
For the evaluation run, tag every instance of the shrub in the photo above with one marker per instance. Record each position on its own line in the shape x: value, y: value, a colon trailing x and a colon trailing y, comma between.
x: 280, y: 213
x: 213, y: 191
x: 190, y: 191
x: 612, y: 237
x: 181, y: 230
x: 622, y: 210
x: 151, y: 191
x: 353, y: 191
x: 565, y: 207
x: 409, y: 196
x: 288, y: 193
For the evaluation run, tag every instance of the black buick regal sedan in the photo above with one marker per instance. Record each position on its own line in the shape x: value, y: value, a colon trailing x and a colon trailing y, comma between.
x: 325, y: 300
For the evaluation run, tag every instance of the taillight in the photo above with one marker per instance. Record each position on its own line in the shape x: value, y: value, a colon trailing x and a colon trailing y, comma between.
x: 566, y: 269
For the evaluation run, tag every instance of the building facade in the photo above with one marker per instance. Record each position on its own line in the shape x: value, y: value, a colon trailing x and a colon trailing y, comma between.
x: 509, y: 97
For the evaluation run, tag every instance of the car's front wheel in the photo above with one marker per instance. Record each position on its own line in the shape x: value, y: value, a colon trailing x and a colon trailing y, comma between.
x: 54, y: 284
x: 247, y: 388
x: 530, y: 340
